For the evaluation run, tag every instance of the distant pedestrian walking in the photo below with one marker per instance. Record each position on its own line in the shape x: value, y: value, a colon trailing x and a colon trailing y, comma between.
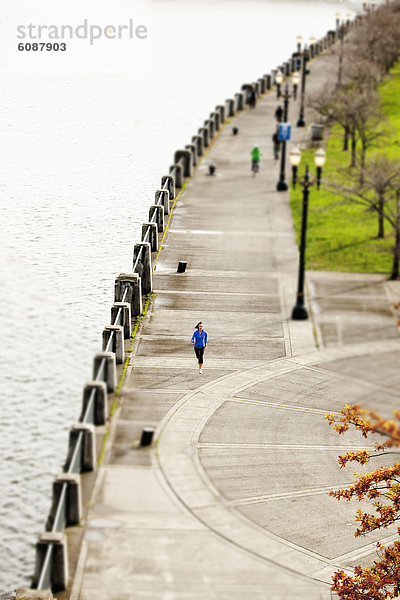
x: 277, y: 144
x: 279, y: 114
x: 199, y: 339
x: 253, y: 98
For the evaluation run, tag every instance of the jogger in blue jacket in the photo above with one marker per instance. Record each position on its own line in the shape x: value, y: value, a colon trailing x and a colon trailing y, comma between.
x: 199, y: 339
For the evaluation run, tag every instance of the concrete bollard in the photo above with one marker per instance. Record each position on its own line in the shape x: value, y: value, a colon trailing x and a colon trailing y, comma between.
x: 197, y: 140
x: 239, y: 97
x: 162, y: 197
x: 168, y: 183
x: 156, y: 214
x: 177, y: 172
x: 220, y: 109
x: 125, y: 318
x: 214, y: 117
x: 193, y: 150
x: 149, y: 234
x: 108, y: 373
x: 144, y: 266
x: 273, y: 75
x: 100, y: 405
x: 132, y: 283
x: 230, y: 107
x: 85, y: 461
x: 205, y: 134
x: 73, y: 501
x: 268, y: 82
x: 246, y: 91
x: 115, y: 333
x: 287, y: 70
x: 184, y: 157
x: 261, y: 83
x: 211, y: 129
x: 59, y: 572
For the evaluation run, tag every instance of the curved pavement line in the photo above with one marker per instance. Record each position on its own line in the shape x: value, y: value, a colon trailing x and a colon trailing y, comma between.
x: 177, y: 457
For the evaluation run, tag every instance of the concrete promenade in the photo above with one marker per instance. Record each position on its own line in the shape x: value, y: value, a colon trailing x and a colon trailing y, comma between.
x: 231, y: 501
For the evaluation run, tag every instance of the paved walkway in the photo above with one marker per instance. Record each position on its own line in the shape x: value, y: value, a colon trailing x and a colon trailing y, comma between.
x: 231, y: 501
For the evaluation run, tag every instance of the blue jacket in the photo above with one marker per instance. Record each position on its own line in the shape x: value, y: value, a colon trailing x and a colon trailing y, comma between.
x: 199, y: 339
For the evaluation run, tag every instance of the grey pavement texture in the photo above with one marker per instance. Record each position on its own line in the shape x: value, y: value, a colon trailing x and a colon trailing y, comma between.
x: 231, y: 501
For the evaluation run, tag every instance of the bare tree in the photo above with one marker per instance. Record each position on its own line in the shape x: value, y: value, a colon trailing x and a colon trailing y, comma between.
x: 381, y: 178
x: 378, y: 39
x: 367, y: 120
x: 379, y: 193
x: 357, y: 111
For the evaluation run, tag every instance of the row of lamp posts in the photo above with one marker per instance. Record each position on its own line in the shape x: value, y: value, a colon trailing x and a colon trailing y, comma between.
x: 297, y: 77
x: 299, y: 311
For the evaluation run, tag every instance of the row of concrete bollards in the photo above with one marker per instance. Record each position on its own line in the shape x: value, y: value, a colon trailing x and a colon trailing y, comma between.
x: 130, y: 291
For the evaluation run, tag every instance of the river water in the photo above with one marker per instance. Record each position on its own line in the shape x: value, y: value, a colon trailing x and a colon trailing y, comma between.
x: 85, y: 136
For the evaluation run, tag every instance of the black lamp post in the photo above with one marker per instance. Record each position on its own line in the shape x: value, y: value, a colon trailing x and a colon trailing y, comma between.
x: 295, y: 81
x: 278, y: 81
x: 301, y: 122
x: 299, y: 311
x: 299, y: 41
x: 312, y: 46
x: 282, y: 186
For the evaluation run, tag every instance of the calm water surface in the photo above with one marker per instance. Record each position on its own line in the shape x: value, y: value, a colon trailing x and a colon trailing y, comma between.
x: 85, y: 136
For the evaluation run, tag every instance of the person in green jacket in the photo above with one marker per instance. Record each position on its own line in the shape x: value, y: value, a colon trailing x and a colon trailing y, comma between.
x: 255, y: 159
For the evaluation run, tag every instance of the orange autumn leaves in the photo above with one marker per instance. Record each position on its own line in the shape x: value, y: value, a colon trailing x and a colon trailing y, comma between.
x: 381, y: 581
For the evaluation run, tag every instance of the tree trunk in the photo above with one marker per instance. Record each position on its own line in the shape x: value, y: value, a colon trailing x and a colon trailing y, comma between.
x: 353, y: 150
x: 396, y: 255
x: 346, y: 139
x: 362, y: 164
x: 381, y: 222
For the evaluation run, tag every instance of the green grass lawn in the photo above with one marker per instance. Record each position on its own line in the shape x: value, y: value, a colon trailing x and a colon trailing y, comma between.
x: 341, y: 236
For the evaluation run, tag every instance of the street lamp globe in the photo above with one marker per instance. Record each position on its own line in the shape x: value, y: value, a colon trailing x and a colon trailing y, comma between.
x: 295, y: 157
x: 296, y: 78
x: 278, y: 81
x: 299, y: 39
x: 320, y: 158
x: 313, y: 39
